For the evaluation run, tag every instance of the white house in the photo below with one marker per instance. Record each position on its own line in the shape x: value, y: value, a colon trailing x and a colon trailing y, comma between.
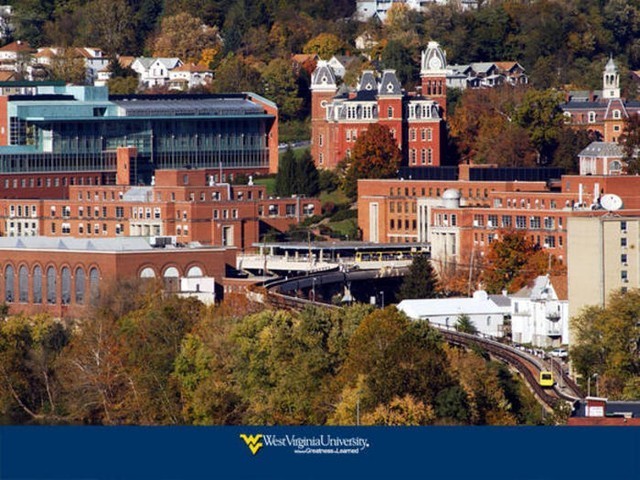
x: 540, y: 314
x: 486, y: 312
x: 340, y: 63
x: 366, y: 9
x: 188, y: 76
x: 153, y: 72
x: 602, y: 158
x: 94, y: 59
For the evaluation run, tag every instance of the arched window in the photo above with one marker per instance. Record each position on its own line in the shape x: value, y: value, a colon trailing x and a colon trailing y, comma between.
x: 171, y: 272
x: 37, y: 284
x: 195, y: 272
x: 80, y: 285
x: 52, y: 295
x: 9, y: 280
x: 66, y: 286
x: 147, y: 273
x: 23, y: 284
x: 94, y: 284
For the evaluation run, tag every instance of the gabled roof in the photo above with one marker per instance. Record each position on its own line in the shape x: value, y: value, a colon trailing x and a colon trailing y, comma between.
x: 192, y: 67
x: 507, y: 66
x: 168, y: 63
x: 615, y: 104
x: 544, y: 288
x: 17, y: 46
x: 482, y: 67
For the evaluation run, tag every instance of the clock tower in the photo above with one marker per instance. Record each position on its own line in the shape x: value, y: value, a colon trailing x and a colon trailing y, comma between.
x: 433, y: 72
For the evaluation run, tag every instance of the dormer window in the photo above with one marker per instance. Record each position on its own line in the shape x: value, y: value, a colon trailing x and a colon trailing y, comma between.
x: 368, y: 86
x: 616, y: 114
x: 324, y: 79
x: 592, y: 117
x: 389, y: 87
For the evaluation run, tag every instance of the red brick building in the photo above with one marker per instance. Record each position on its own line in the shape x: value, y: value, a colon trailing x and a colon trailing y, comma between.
x: 186, y: 204
x: 463, y: 217
x: 63, y: 276
x: 416, y: 120
x: 601, y: 112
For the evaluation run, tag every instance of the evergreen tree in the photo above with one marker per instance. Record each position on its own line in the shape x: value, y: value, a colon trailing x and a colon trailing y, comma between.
x: 306, y: 175
x: 285, y: 178
x: 421, y: 281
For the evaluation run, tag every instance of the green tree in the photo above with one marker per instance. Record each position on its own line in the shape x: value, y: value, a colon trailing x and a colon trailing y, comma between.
x: 297, y: 174
x: 452, y: 404
x: 236, y: 74
x: 540, y: 114
x: 123, y: 85
x: 607, y: 342
x: 630, y: 140
x: 375, y: 155
x: 109, y: 25
x: 29, y: 388
x: 285, y: 178
x: 465, y: 325
x: 397, y: 56
x: 279, y: 85
x: 421, y: 281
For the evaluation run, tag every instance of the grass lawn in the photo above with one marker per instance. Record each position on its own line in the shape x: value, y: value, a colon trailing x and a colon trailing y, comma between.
x: 270, y: 183
x: 346, y: 227
x: 337, y: 197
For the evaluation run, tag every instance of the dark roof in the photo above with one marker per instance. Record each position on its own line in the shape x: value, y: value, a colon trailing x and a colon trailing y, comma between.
x: 364, y: 96
x: 185, y: 105
x: 612, y: 408
x: 575, y: 105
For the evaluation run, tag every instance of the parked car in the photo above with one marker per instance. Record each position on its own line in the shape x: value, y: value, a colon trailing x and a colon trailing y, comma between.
x: 559, y: 353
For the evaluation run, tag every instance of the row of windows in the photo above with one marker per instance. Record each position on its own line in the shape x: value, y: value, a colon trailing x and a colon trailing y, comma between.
x: 48, y: 182
x: 393, y: 206
x: 38, y: 287
x: 521, y: 222
x: 65, y: 228
x: 548, y: 241
x: 426, y: 156
x: 426, y: 134
x: 399, y: 223
x: 446, y: 220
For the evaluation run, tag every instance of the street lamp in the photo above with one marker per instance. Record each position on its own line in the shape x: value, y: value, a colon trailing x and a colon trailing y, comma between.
x: 313, y: 288
x: 381, y: 299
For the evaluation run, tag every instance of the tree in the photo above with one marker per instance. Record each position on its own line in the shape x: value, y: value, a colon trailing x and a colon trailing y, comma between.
x: 465, y: 325
x: 513, y: 261
x: 375, y: 155
x: 236, y: 74
x: 297, y: 174
x: 421, y: 281
x: 123, y: 85
x: 108, y: 24
x: 69, y: 66
x: 405, y: 411
x: 397, y: 56
x: 607, y: 343
x: 185, y: 37
x: 279, y: 85
x: 630, y: 140
x: 326, y: 45
x: 540, y: 114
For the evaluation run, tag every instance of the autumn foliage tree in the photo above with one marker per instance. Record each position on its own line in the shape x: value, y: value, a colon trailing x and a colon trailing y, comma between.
x: 513, y: 261
x: 630, y: 139
x: 185, y: 37
x: 375, y: 155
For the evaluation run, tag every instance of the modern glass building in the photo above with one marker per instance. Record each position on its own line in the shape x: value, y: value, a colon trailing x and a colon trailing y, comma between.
x: 64, y: 128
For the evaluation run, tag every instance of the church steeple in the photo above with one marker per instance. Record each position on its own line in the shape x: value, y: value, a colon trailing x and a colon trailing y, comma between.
x: 611, y: 80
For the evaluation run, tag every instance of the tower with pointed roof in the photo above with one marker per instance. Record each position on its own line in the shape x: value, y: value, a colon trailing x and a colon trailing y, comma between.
x: 610, y: 80
x: 323, y: 89
x: 433, y: 71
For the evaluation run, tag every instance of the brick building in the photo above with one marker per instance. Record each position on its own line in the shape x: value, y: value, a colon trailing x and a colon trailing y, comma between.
x: 186, y: 204
x: 462, y: 217
x: 416, y: 120
x: 63, y: 276
x: 601, y: 112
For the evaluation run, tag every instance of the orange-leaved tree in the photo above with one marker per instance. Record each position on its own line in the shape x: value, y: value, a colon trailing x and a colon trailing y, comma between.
x: 375, y: 155
x: 514, y: 260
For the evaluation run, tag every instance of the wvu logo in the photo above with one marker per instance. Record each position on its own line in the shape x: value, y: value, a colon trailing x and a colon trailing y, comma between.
x: 253, y: 442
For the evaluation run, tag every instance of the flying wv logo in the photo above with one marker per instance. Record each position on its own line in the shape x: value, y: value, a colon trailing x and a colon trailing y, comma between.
x: 253, y: 442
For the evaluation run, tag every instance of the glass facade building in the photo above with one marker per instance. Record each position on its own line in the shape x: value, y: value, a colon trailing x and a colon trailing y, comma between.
x: 70, y: 128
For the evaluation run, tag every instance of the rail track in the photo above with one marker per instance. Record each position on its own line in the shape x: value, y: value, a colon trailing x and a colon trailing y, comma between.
x: 529, y: 366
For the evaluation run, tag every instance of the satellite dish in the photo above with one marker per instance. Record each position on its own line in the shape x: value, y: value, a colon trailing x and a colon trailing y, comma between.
x: 611, y: 202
